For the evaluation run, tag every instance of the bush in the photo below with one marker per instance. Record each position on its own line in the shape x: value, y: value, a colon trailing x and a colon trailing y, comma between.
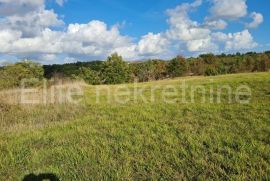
x: 115, y: 70
x: 177, y: 67
x: 210, y: 71
x: 26, y: 72
x: 89, y: 76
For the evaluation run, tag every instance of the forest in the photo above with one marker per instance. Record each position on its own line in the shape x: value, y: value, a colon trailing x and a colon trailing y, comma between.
x: 115, y: 70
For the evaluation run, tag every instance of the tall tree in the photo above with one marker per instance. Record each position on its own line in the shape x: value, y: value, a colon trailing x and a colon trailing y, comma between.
x: 177, y: 67
x: 115, y: 70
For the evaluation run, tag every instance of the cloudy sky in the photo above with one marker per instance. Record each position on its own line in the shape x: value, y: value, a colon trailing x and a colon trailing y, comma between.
x: 59, y: 31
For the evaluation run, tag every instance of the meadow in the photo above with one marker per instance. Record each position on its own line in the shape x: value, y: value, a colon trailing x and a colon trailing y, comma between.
x: 114, y: 134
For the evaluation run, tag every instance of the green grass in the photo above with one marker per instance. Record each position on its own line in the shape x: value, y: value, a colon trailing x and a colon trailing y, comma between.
x: 143, y: 140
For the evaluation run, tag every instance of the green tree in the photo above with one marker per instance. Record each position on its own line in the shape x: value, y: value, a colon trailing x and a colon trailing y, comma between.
x: 177, y: 67
x: 160, y: 71
x: 115, y: 70
x: 209, y: 59
x: 27, y: 72
x: 142, y: 71
x: 89, y: 76
x: 210, y: 71
x: 197, y: 66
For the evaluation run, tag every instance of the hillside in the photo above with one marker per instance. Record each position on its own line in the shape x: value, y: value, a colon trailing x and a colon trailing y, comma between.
x: 144, y: 135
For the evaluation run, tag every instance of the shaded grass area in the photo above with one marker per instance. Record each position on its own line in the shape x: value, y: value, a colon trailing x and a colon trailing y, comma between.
x: 141, y: 141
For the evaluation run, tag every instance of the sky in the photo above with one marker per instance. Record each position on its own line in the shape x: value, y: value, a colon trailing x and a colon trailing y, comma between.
x: 64, y: 31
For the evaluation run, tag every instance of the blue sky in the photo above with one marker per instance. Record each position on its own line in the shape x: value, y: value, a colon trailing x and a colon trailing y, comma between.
x: 58, y: 31
x: 141, y: 17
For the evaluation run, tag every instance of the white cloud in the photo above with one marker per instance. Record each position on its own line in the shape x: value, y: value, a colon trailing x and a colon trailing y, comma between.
x: 32, y: 23
x: 202, y: 37
x: 30, y: 34
x: 240, y: 41
x: 60, y: 2
x: 235, y: 41
x: 257, y: 20
x: 219, y: 37
x: 229, y: 9
x: 70, y: 60
x: 96, y: 33
x: 215, y: 24
x: 19, y: 7
x: 181, y: 26
x: 7, y: 37
x: 152, y: 44
x: 202, y: 45
x: 92, y: 39
x: 193, y: 35
x: 129, y: 51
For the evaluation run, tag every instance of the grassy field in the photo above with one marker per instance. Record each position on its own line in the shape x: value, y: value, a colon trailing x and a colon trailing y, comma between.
x: 144, y: 137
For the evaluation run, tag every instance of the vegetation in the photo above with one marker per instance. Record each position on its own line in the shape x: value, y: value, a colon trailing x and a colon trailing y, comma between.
x: 115, y: 70
x: 26, y: 72
x: 88, y: 75
x: 143, y: 140
x: 177, y: 67
x: 144, y: 137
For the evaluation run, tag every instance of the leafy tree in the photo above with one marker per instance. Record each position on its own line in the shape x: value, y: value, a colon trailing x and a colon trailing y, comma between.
x: 115, y: 70
x: 177, y: 67
x: 209, y: 59
x: 249, y: 63
x: 143, y: 71
x: 149, y: 70
x: 160, y: 71
x: 197, y: 66
x: 262, y: 63
x: 210, y: 71
x: 12, y: 75
x: 89, y: 76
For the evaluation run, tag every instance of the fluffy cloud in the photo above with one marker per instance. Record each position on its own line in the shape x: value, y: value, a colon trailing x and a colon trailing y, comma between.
x: 240, y: 41
x: 202, y: 37
x: 94, y: 39
x: 257, y: 20
x: 29, y: 33
x: 202, y: 45
x: 32, y: 23
x: 181, y: 26
x: 215, y: 24
x: 19, y: 7
x: 7, y: 37
x: 229, y: 9
x: 152, y: 44
x: 96, y: 33
x: 194, y: 36
x: 235, y: 41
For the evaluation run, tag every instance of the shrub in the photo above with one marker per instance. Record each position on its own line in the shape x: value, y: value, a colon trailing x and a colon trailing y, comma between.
x: 115, y: 70
x: 177, y: 67
x: 89, y: 76
x: 210, y: 71
x: 12, y: 75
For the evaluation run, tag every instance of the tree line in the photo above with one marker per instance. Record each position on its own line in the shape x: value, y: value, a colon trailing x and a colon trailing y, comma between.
x: 116, y: 71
